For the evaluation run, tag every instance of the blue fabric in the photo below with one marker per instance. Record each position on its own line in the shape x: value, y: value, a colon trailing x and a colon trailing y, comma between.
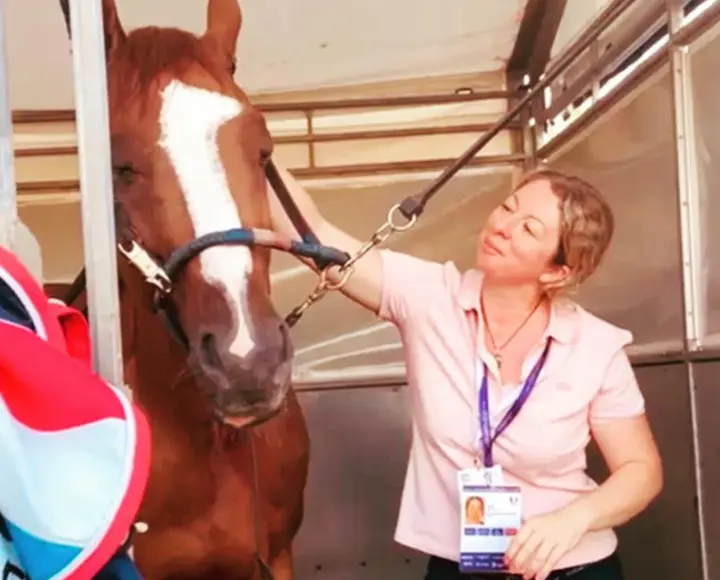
x: 121, y: 567
x: 43, y: 558
x: 11, y: 309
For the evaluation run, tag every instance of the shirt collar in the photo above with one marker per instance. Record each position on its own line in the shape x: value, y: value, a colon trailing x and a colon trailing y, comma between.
x: 564, y: 316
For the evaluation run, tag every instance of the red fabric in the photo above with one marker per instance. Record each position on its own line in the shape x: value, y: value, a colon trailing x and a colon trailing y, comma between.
x: 37, y: 296
x: 75, y: 330
x: 49, y: 385
x: 75, y: 397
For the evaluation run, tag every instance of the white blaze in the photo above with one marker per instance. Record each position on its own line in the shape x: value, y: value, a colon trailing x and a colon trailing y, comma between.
x: 189, y: 122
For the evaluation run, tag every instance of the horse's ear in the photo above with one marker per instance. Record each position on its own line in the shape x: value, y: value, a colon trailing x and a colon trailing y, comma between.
x: 114, y: 32
x: 224, y: 19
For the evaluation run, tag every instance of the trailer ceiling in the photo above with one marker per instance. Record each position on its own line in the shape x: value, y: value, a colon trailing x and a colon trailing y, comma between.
x: 287, y: 45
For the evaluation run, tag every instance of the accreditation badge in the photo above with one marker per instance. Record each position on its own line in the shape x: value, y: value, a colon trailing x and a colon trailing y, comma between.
x: 490, y: 515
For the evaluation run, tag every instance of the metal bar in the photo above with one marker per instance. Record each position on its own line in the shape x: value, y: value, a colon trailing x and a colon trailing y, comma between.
x: 382, y: 383
x: 400, y: 166
x: 52, y: 151
x: 68, y: 115
x: 594, y: 28
x: 313, y: 137
x: 697, y: 27
x: 691, y: 224
x: 661, y: 352
x: 8, y: 194
x: 594, y: 58
x: 612, y: 61
x: 28, y: 116
x: 73, y: 185
x: 691, y: 235
x: 606, y: 18
x: 340, y: 382
x: 529, y: 135
x: 310, y: 138
x: 629, y: 84
x: 525, y: 140
x: 636, y: 35
x: 54, y: 186
x: 88, y: 54
x: 348, y: 386
x: 383, y: 102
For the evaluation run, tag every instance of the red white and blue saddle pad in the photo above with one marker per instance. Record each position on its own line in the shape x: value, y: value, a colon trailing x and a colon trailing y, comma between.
x: 74, y: 450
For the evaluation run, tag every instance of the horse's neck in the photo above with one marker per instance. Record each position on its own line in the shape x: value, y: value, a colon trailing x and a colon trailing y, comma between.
x: 156, y: 368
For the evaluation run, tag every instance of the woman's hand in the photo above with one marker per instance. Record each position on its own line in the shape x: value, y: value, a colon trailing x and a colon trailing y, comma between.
x: 543, y: 540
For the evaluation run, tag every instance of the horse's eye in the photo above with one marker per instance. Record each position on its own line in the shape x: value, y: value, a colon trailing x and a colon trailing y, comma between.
x: 124, y: 173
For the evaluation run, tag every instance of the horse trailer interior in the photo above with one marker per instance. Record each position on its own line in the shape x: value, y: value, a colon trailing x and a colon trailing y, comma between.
x: 621, y: 92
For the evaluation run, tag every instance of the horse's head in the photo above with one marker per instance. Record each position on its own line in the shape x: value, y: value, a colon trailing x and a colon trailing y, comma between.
x: 188, y: 157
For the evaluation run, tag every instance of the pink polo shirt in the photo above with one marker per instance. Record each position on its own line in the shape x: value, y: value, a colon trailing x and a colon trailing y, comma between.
x: 586, y: 380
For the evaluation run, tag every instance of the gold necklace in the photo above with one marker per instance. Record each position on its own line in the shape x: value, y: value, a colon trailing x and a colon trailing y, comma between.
x: 497, y: 354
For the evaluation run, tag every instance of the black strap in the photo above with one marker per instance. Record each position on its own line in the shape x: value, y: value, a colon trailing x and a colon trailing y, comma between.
x: 289, y: 205
x: 9, y: 571
x: 293, y: 211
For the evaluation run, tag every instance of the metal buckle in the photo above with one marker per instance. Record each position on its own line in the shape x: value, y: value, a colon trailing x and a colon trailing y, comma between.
x: 153, y: 272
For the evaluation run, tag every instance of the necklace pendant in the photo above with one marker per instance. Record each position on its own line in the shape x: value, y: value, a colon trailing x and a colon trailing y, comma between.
x: 498, y: 360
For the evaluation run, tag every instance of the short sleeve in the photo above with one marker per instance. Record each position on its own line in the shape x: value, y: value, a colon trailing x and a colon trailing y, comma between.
x: 619, y: 396
x: 409, y: 284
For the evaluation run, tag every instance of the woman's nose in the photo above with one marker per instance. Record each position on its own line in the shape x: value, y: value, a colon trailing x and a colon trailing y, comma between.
x: 502, y: 227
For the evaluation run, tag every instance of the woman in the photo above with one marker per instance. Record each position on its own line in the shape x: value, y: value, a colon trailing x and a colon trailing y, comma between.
x: 475, y: 511
x: 471, y: 341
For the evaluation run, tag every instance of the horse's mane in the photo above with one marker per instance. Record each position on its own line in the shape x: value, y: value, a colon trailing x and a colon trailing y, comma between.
x: 149, y: 52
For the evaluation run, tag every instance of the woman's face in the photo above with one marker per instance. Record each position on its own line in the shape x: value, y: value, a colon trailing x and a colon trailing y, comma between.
x: 521, y: 237
x: 475, y: 510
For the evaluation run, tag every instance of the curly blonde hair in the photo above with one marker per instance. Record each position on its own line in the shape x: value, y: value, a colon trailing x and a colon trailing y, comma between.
x: 587, y: 224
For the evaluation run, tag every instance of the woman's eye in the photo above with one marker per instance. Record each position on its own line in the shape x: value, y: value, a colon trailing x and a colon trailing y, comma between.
x: 528, y: 229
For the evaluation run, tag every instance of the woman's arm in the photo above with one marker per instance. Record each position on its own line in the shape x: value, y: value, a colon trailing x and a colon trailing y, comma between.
x: 365, y: 284
x: 636, y: 476
x: 621, y: 430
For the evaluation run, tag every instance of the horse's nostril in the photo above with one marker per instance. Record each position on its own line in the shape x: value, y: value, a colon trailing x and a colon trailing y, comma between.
x: 208, y: 352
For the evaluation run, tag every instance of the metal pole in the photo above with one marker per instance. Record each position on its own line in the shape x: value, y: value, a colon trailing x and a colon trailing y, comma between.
x: 8, y: 194
x: 691, y: 235
x: 691, y: 224
x: 88, y: 53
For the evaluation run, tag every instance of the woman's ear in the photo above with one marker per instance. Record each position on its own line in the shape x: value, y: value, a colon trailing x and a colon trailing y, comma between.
x: 556, y: 276
x: 224, y: 19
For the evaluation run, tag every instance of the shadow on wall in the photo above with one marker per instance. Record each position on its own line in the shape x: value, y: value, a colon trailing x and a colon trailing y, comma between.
x: 663, y: 543
x: 631, y: 158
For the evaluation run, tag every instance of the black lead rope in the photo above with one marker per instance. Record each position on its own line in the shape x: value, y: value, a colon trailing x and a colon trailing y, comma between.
x: 292, y: 210
x: 76, y: 288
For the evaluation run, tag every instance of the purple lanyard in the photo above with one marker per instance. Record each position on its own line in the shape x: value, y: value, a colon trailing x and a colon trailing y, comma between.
x: 484, y: 407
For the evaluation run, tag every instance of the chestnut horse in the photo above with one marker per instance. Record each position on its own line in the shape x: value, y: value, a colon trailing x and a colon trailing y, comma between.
x: 189, y: 158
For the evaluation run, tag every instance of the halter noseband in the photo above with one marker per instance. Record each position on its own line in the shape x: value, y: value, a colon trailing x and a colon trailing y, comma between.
x: 163, y: 274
